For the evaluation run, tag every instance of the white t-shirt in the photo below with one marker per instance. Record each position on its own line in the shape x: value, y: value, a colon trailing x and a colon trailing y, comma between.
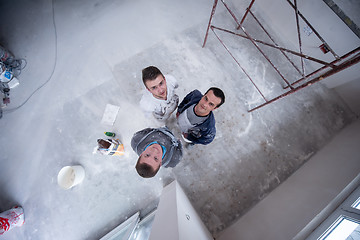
x: 188, y: 119
x: 161, y: 109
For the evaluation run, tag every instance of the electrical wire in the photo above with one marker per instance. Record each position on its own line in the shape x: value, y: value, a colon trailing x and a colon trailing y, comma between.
x: 15, y: 67
x: 53, y: 69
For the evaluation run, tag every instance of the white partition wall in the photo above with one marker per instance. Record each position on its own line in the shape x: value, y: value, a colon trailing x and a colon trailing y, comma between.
x: 176, y: 219
x: 291, y: 206
x: 281, y: 17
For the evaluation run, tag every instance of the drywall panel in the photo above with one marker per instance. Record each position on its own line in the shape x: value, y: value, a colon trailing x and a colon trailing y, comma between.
x: 288, y: 209
x: 165, y: 225
x: 190, y: 224
x: 176, y: 218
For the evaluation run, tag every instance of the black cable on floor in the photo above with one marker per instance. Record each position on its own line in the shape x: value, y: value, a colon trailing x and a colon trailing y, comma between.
x: 52, y: 72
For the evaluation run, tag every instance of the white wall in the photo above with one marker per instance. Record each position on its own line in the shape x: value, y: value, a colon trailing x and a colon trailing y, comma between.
x: 176, y: 219
x: 288, y: 209
x: 165, y: 225
x: 279, y: 16
x: 190, y: 224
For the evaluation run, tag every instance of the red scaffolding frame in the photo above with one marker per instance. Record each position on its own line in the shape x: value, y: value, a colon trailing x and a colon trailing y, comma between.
x: 329, y: 68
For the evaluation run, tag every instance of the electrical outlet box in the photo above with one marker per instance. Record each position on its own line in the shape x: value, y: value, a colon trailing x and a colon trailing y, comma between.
x: 324, y: 48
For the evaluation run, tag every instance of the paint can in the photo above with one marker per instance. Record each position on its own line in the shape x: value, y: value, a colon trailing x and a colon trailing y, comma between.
x: 70, y: 176
x: 111, y: 147
x: 11, y: 218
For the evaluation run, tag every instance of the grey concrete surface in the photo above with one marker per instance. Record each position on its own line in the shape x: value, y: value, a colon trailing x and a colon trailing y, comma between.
x: 93, y: 57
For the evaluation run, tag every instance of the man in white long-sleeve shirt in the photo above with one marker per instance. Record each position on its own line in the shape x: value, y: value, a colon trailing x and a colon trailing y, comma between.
x: 160, y: 99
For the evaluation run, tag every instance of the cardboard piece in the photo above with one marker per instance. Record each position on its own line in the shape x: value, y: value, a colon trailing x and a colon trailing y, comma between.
x: 110, y: 114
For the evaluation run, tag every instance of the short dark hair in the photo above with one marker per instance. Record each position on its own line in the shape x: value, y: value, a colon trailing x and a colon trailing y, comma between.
x: 218, y: 93
x: 145, y: 170
x: 150, y: 73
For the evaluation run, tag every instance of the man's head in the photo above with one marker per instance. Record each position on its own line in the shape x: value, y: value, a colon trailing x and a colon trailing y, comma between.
x: 149, y: 161
x: 212, y: 99
x: 155, y: 82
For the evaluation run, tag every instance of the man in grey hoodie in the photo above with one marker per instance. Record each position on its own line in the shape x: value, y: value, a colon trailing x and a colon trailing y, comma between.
x: 156, y: 147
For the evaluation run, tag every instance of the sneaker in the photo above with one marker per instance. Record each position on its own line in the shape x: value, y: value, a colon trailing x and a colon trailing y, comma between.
x: 186, y: 140
x: 189, y: 145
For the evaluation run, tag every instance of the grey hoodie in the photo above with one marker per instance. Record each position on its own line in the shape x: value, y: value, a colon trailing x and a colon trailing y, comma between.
x: 165, y: 138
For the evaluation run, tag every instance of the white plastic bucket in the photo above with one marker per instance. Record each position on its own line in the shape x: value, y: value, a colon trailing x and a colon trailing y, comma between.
x: 70, y: 176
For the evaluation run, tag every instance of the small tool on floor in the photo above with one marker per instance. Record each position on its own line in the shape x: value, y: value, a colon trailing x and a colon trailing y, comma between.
x: 110, y: 134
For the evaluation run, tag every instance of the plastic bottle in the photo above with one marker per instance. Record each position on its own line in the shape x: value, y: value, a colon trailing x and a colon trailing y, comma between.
x: 110, y: 134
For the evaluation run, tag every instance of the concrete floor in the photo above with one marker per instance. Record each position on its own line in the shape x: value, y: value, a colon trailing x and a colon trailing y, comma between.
x: 95, y: 57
